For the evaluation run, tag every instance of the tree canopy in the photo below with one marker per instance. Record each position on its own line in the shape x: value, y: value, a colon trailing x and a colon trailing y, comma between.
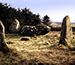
x: 25, y: 16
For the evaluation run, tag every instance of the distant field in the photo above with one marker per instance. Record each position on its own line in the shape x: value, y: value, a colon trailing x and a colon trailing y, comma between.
x: 59, y: 25
x: 73, y: 25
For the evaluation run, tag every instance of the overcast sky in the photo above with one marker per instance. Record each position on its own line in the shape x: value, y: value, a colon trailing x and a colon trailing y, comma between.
x: 55, y: 9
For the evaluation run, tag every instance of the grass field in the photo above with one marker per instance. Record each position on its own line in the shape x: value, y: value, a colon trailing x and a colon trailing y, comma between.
x: 42, y: 49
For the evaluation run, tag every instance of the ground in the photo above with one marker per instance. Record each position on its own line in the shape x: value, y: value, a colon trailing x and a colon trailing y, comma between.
x: 39, y: 50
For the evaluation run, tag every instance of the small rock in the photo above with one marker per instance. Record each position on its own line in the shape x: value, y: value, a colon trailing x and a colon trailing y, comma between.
x: 47, y: 43
x: 10, y: 42
x: 25, y: 38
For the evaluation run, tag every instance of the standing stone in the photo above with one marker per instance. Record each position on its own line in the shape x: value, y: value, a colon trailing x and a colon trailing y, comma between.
x: 66, y: 31
x: 3, y: 46
x: 15, y: 26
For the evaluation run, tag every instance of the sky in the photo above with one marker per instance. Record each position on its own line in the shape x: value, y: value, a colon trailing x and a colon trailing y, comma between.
x: 55, y: 9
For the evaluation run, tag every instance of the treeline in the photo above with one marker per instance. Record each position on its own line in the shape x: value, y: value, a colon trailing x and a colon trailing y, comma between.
x: 25, y: 16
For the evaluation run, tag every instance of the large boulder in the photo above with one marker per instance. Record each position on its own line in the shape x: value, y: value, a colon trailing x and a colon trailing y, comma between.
x: 43, y: 29
x: 3, y: 46
x: 28, y: 30
x: 35, y: 30
x: 66, y: 31
x: 15, y: 26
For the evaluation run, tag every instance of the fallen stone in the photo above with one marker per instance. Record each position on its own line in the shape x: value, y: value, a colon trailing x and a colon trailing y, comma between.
x: 35, y: 30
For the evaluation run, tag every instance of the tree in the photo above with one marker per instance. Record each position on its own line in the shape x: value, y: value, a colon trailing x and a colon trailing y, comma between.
x: 25, y: 16
x: 46, y: 20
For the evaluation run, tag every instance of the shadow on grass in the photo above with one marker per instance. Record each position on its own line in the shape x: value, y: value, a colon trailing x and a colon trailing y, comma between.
x: 13, y: 57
